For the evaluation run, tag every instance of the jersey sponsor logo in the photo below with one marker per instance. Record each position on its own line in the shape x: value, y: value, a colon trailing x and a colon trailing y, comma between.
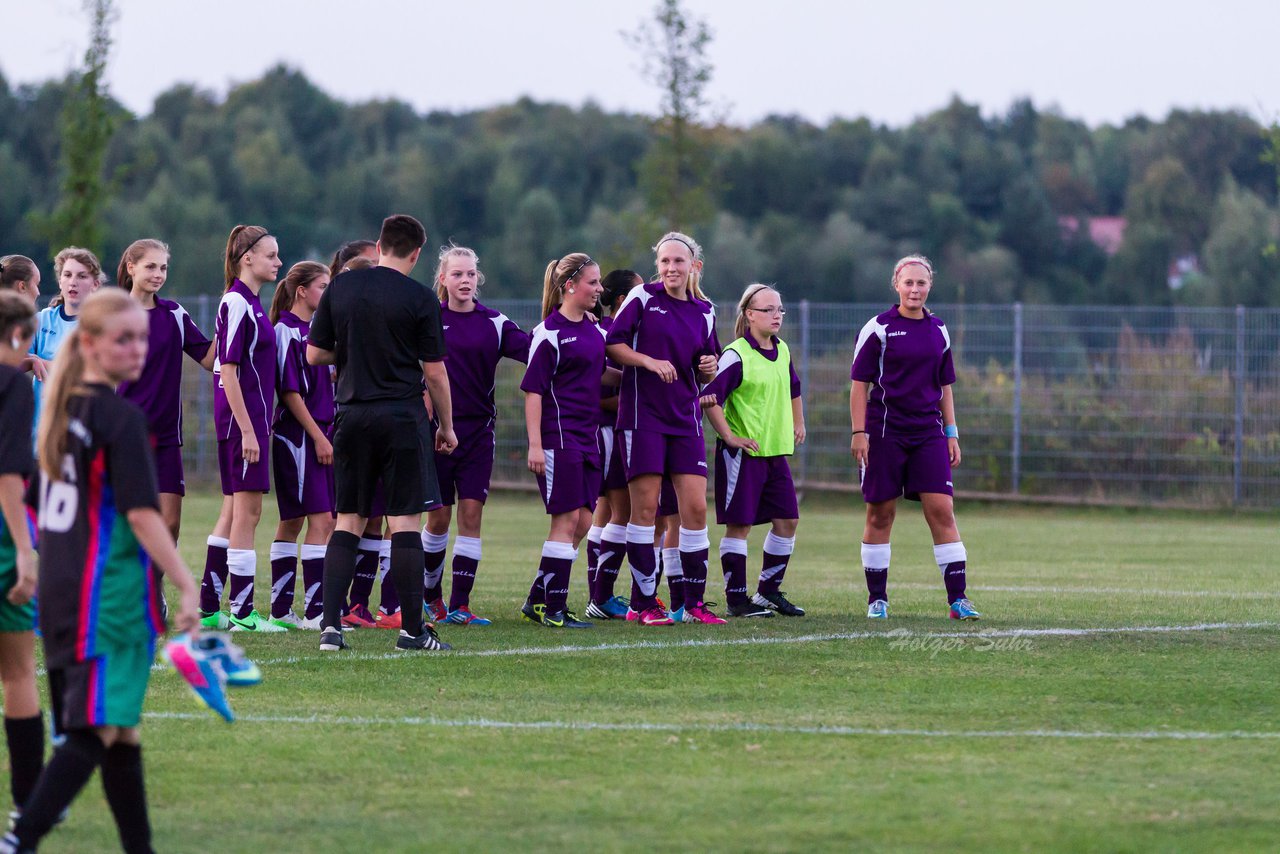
x: 701, y: 464
x: 949, y: 484
x: 568, y: 340
x: 657, y: 309
x: 895, y: 334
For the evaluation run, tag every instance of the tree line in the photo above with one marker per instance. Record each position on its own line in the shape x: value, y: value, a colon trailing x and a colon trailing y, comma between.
x: 822, y: 210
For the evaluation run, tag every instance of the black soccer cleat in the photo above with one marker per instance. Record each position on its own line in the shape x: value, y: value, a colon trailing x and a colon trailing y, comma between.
x: 331, y: 640
x: 565, y: 619
x: 428, y: 640
x: 533, y: 613
x: 747, y: 609
x: 778, y: 602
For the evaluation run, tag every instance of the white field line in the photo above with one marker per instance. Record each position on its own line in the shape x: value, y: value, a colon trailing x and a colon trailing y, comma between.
x: 888, y: 635
x: 746, y: 728
x: 1104, y: 591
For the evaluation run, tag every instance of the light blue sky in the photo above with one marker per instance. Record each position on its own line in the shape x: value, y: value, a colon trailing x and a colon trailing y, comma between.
x: 892, y: 61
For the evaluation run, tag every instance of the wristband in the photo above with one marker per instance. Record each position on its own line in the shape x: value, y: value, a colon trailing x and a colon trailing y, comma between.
x: 951, y: 431
x: 856, y: 432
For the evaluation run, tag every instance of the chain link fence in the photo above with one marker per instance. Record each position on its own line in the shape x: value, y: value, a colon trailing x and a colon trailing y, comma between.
x: 1106, y: 405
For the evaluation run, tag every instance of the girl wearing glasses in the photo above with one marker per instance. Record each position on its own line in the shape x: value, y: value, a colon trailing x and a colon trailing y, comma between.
x: 905, y: 438
x: 664, y: 337
x: 755, y: 406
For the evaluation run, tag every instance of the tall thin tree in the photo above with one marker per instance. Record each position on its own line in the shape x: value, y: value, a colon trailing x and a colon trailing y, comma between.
x: 87, y: 126
x: 676, y: 173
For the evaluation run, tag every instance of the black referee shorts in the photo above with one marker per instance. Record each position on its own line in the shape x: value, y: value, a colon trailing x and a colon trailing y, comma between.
x: 387, y: 441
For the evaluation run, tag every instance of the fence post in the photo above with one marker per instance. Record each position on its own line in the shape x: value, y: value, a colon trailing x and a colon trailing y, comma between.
x: 1016, y: 449
x: 1237, y: 479
x: 806, y: 389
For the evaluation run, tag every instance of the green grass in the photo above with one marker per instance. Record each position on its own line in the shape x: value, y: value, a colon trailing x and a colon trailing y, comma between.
x: 381, y: 760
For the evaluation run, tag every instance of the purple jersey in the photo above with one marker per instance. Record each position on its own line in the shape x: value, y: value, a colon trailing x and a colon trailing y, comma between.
x: 245, y: 338
x: 608, y: 417
x: 729, y: 375
x: 476, y: 341
x: 313, y: 382
x: 158, y: 391
x: 566, y: 360
x: 908, y: 363
x: 654, y: 324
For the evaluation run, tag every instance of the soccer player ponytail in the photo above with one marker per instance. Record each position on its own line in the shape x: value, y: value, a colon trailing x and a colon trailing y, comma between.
x: 67, y: 378
x: 241, y: 240
x: 560, y: 273
x: 133, y: 255
x: 300, y: 275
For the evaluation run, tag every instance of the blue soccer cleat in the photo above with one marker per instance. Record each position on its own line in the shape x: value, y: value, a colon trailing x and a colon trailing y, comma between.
x: 239, y: 670
x: 202, y: 673
x: 962, y: 609
x: 614, y: 608
x: 878, y: 610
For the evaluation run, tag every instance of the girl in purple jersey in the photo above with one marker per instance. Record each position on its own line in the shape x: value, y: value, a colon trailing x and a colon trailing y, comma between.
x: 607, y: 538
x: 755, y: 406
x: 561, y: 412
x: 905, y: 438
x: 243, y: 394
x: 302, y: 454
x: 144, y: 268
x: 23, y: 724
x: 664, y: 337
x: 477, y: 339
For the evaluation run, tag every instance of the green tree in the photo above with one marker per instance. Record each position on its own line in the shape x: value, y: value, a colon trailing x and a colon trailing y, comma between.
x: 675, y: 173
x: 87, y: 125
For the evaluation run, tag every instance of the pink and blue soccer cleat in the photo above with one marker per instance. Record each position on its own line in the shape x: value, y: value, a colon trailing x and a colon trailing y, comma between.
x: 208, y: 664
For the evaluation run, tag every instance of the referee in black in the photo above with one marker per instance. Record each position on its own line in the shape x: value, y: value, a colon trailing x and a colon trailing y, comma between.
x: 382, y: 330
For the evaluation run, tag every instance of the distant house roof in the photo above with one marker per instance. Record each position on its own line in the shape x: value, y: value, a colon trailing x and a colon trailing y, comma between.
x: 1106, y: 232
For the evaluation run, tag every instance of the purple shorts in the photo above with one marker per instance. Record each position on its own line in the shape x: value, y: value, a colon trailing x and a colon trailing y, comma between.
x: 901, y: 466
x: 572, y: 481
x: 169, y: 475
x: 753, y: 490
x: 239, y: 476
x: 303, y: 486
x: 467, y: 471
x: 615, y: 474
x: 648, y: 452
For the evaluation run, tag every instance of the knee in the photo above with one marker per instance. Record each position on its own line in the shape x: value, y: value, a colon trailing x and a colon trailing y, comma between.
x: 880, y: 518
x: 785, y: 527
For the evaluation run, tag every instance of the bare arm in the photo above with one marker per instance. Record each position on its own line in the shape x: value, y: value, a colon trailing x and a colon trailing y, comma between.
x: 210, y: 356
x: 316, y: 356
x: 235, y: 399
x: 612, y: 377
x: 624, y: 355
x: 533, y: 427
x: 153, y: 535
x: 797, y: 419
x: 437, y: 377
x: 15, y: 519
x: 715, y: 414
x: 858, y: 418
x: 324, y: 450
x: 949, y: 418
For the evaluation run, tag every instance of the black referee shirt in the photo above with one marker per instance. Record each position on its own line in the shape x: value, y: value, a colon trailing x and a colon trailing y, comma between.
x: 380, y: 325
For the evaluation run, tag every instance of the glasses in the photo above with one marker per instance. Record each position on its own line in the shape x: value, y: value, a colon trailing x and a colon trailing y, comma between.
x: 771, y: 310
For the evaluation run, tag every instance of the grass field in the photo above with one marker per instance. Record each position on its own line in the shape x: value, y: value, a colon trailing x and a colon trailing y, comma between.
x: 1135, y: 711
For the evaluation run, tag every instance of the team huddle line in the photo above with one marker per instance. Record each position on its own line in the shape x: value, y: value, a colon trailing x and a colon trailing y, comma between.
x: 367, y: 398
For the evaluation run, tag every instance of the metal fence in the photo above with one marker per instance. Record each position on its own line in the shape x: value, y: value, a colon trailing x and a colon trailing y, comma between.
x: 1152, y: 406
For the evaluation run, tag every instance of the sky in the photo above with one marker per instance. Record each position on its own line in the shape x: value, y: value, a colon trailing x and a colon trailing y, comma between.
x: 889, y: 60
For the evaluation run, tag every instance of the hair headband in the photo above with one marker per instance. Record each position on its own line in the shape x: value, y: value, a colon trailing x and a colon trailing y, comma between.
x: 693, y: 253
x: 255, y: 240
x: 906, y: 262
x: 586, y: 263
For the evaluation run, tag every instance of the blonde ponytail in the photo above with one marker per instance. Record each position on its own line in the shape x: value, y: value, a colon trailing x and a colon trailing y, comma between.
x: 752, y: 291
x: 558, y: 274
